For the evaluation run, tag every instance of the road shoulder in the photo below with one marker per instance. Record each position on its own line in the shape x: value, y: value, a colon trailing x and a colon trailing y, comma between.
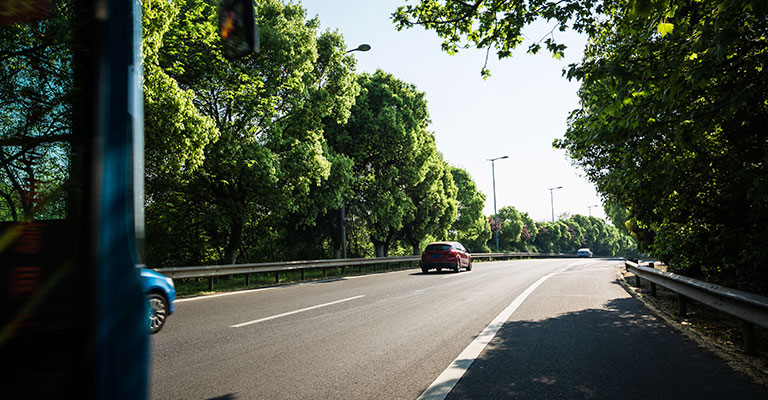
x: 756, y: 368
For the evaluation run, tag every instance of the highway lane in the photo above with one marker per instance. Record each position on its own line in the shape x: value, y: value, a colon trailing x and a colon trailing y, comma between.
x: 389, y: 344
x: 384, y: 336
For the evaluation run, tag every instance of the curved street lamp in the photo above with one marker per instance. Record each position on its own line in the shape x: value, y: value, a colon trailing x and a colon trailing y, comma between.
x: 590, y: 209
x: 362, y: 47
x: 552, y: 201
x: 495, y: 218
x: 342, y: 211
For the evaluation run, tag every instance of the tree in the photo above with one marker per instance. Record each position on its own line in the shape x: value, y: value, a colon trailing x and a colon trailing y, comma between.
x: 434, y: 199
x: 511, y: 228
x: 528, y: 234
x: 270, y: 155
x: 681, y: 112
x: 385, y: 137
x: 36, y: 82
x: 470, y: 227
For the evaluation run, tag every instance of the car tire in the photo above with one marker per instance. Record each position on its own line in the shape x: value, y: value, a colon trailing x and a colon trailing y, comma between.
x: 439, y: 269
x: 424, y: 270
x: 457, y: 267
x: 469, y: 266
x: 157, y: 313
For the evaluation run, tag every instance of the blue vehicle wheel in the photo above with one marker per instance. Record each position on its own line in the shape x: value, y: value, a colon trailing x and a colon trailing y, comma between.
x: 158, y: 312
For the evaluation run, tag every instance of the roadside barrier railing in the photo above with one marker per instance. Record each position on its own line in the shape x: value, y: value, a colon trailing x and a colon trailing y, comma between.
x: 750, y: 308
x: 213, y: 271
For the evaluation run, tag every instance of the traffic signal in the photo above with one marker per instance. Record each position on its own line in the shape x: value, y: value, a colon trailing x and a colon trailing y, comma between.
x: 237, y: 27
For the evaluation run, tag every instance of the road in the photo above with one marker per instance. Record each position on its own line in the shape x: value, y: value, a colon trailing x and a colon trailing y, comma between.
x: 553, y: 328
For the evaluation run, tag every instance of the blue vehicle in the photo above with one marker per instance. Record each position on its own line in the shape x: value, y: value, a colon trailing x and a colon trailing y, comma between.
x: 160, y: 293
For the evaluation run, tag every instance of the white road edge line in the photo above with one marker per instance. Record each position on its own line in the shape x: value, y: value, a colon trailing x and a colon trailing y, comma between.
x: 213, y: 296
x: 256, y: 321
x: 444, y: 383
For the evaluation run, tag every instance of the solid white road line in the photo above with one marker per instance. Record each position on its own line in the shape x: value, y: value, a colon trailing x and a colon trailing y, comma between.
x: 213, y: 296
x: 447, y: 380
x: 256, y: 321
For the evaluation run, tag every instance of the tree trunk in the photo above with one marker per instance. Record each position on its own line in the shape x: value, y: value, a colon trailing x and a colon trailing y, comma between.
x: 379, y: 248
x: 235, y: 235
x: 416, y: 249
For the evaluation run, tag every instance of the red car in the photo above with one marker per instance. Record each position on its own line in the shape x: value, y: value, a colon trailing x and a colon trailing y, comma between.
x: 441, y: 255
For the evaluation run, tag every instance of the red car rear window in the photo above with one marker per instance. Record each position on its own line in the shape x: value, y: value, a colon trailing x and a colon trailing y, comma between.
x: 438, y: 247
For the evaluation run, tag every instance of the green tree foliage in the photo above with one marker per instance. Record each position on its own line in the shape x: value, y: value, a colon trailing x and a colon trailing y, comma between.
x: 679, y: 139
x: 498, y: 24
x: 619, y: 216
x: 396, y: 166
x: 569, y: 235
x: 671, y: 119
x: 518, y: 231
x: 511, y: 225
x: 176, y: 132
x: 434, y: 199
x: 270, y: 158
x: 470, y: 227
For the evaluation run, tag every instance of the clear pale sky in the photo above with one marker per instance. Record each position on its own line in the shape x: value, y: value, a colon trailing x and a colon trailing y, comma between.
x: 519, y: 111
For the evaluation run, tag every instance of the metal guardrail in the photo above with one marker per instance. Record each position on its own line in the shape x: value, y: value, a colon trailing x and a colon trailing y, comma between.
x: 213, y: 271
x: 750, y: 308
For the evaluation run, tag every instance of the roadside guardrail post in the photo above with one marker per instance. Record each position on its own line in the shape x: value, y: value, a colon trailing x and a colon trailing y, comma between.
x: 750, y: 343
x: 682, y: 306
x: 210, y: 284
x: 247, y: 279
x: 302, y: 274
x: 277, y: 276
x: 637, y: 281
x: 653, y: 285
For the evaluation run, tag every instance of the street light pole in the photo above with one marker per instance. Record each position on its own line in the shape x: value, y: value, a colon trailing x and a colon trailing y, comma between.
x: 342, y: 211
x: 552, y: 201
x: 590, y: 209
x: 495, y: 217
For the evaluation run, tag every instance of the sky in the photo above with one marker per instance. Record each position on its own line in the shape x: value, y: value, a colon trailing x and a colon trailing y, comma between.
x: 517, y: 112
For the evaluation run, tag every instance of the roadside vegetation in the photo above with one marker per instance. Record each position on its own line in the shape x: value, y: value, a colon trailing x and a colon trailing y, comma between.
x: 272, y: 156
x: 672, y: 116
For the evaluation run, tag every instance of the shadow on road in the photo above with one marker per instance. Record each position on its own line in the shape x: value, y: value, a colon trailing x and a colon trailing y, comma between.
x: 225, y: 397
x: 620, y: 352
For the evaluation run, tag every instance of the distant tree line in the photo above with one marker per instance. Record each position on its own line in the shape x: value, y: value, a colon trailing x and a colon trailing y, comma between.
x: 519, y: 233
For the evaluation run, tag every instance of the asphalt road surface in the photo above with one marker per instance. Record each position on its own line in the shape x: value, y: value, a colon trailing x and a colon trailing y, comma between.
x: 533, y: 329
